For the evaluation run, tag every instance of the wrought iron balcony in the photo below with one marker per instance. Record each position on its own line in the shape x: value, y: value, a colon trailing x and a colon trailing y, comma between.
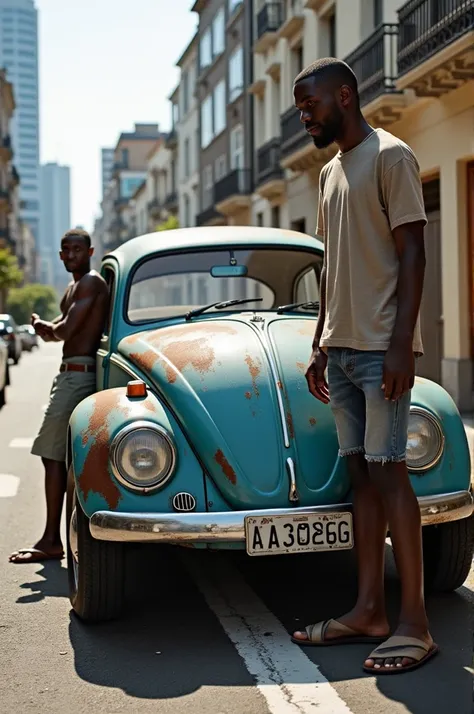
x: 375, y: 63
x: 236, y: 183
x: 429, y: 26
x: 268, y: 161
x: 207, y: 215
x: 293, y: 134
x: 154, y: 206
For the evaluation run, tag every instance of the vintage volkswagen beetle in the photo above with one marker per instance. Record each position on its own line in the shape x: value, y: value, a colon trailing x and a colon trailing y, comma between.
x: 203, y: 433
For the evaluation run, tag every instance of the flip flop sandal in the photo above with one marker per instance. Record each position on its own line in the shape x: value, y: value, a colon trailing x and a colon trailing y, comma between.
x: 317, y: 635
x: 398, y: 646
x: 37, y: 556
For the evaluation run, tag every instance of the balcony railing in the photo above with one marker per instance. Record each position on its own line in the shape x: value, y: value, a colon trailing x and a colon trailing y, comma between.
x: 237, y: 182
x: 270, y: 18
x: 293, y: 134
x: 427, y: 26
x: 153, y: 205
x: 268, y: 161
x: 208, y: 214
x: 375, y: 63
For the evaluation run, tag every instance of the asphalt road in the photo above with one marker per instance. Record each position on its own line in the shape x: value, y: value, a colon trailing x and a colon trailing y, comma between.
x: 203, y: 633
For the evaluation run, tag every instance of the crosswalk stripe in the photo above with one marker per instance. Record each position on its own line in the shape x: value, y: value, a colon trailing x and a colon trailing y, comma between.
x: 8, y: 485
x: 290, y: 682
x: 21, y: 443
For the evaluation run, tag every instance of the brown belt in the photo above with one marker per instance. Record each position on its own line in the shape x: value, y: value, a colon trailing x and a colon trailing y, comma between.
x: 70, y: 367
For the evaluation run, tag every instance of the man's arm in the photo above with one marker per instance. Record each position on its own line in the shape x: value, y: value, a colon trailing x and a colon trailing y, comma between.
x: 410, y: 246
x: 86, y: 294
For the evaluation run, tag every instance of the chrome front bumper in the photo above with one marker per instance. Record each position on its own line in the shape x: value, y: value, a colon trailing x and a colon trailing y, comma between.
x: 228, y: 527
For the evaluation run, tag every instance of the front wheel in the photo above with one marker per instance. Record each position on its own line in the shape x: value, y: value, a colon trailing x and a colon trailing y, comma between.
x: 448, y: 550
x: 96, y: 569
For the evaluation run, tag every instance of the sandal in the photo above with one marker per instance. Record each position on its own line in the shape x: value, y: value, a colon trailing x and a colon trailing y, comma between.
x: 36, y: 556
x: 398, y: 646
x: 317, y: 635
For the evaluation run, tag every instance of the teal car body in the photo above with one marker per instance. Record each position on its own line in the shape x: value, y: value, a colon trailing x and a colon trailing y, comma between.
x: 236, y: 428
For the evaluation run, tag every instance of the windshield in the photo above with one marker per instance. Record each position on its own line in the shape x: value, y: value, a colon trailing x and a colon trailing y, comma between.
x: 172, y: 285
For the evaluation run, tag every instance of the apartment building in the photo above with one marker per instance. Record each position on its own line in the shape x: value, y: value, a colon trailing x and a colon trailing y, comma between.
x: 415, y: 66
x: 131, y: 156
x: 162, y: 191
x: 188, y: 136
x: 225, y: 111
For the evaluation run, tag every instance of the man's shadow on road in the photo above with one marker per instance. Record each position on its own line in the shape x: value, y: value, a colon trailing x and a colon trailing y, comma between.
x: 53, y: 583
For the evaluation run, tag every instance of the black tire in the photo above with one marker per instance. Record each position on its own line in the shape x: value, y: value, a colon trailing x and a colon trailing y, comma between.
x: 7, y: 376
x: 96, y: 586
x: 448, y: 550
x: 3, y: 396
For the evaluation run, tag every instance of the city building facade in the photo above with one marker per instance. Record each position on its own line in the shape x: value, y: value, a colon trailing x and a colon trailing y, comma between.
x: 8, y: 176
x: 107, y: 167
x: 225, y: 111
x: 55, y: 196
x: 19, y: 56
x: 188, y: 136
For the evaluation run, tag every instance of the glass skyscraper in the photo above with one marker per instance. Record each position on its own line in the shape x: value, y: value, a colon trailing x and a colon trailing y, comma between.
x: 19, y: 56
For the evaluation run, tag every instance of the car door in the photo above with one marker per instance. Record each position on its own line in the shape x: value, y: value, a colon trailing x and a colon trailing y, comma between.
x: 103, y: 353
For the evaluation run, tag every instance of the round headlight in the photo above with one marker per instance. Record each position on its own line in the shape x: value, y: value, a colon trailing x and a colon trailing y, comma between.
x: 425, y: 440
x: 143, y: 456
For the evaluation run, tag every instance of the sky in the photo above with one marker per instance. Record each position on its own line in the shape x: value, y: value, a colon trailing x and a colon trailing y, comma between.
x: 104, y: 65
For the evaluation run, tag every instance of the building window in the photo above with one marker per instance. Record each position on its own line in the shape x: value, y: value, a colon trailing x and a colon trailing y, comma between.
x: 185, y: 90
x: 220, y: 167
x: 175, y: 114
x: 378, y: 12
x: 219, y: 107
x: 237, y: 148
x: 187, y: 211
x: 207, y: 185
x: 332, y: 35
x: 207, y: 132
x: 236, y: 74
x: 260, y: 220
x: 187, y: 157
x: 218, y: 34
x: 205, y: 49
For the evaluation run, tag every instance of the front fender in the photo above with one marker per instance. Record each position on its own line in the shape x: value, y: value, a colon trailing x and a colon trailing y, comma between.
x: 453, y: 471
x: 92, y: 427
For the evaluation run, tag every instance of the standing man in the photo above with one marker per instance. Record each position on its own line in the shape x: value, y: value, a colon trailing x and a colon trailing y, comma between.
x: 80, y: 326
x: 371, y: 218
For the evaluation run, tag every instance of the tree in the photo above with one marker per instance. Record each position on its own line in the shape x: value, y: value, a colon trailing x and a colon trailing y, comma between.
x: 42, y: 299
x: 170, y: 224
x: 10, y: 274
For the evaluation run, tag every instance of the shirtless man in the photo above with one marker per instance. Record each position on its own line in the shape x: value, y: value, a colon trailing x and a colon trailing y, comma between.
x: 80, y: 326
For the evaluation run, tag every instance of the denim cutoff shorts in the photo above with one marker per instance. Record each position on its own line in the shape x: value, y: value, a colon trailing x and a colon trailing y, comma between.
x: 366, y: 422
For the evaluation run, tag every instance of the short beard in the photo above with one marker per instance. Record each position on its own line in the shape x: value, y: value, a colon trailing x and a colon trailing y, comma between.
x: 330, y: 132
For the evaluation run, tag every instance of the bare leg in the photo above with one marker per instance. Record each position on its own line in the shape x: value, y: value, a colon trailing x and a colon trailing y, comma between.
x: 368, y: 615
x: 403, y: 512
x: 55, y: 488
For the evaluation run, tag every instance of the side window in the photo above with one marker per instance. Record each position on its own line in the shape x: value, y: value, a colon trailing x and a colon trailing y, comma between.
x: 109, y: 276
x: 307, y: 286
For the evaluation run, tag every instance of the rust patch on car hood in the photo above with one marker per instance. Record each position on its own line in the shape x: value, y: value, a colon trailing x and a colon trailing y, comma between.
x: 227, y: 469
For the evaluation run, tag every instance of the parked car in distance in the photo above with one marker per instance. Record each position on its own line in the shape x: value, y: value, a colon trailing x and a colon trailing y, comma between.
x: 203, y: 433
x: 11, y: 334
x: 4, y: 372
x: 29, y: 338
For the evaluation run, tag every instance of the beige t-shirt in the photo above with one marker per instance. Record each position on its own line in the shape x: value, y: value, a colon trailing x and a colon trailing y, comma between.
x: 363, y: 195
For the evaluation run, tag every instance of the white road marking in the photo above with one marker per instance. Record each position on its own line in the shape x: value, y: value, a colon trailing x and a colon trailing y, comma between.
x: 8, y: 485
x: 21, y: 443
x: 285, y: 676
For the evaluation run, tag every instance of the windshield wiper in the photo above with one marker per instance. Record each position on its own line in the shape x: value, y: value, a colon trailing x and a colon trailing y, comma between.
x: 220, y: 306
x: 293, y: 306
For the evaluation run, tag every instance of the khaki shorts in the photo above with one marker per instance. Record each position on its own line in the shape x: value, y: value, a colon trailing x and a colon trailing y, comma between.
x: 68, y: 390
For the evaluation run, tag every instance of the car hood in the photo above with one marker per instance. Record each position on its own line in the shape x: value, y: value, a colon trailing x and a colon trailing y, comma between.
x: 236, y: 384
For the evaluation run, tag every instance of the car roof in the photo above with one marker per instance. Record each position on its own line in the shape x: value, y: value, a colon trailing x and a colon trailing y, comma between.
x: 211, y: 237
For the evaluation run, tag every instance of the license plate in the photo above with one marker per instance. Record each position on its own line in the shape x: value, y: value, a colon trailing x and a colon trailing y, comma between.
x: 311, y: 532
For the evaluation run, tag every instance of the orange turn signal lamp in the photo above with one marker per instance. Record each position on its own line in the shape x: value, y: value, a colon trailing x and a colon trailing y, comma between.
x: 136, y: 388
